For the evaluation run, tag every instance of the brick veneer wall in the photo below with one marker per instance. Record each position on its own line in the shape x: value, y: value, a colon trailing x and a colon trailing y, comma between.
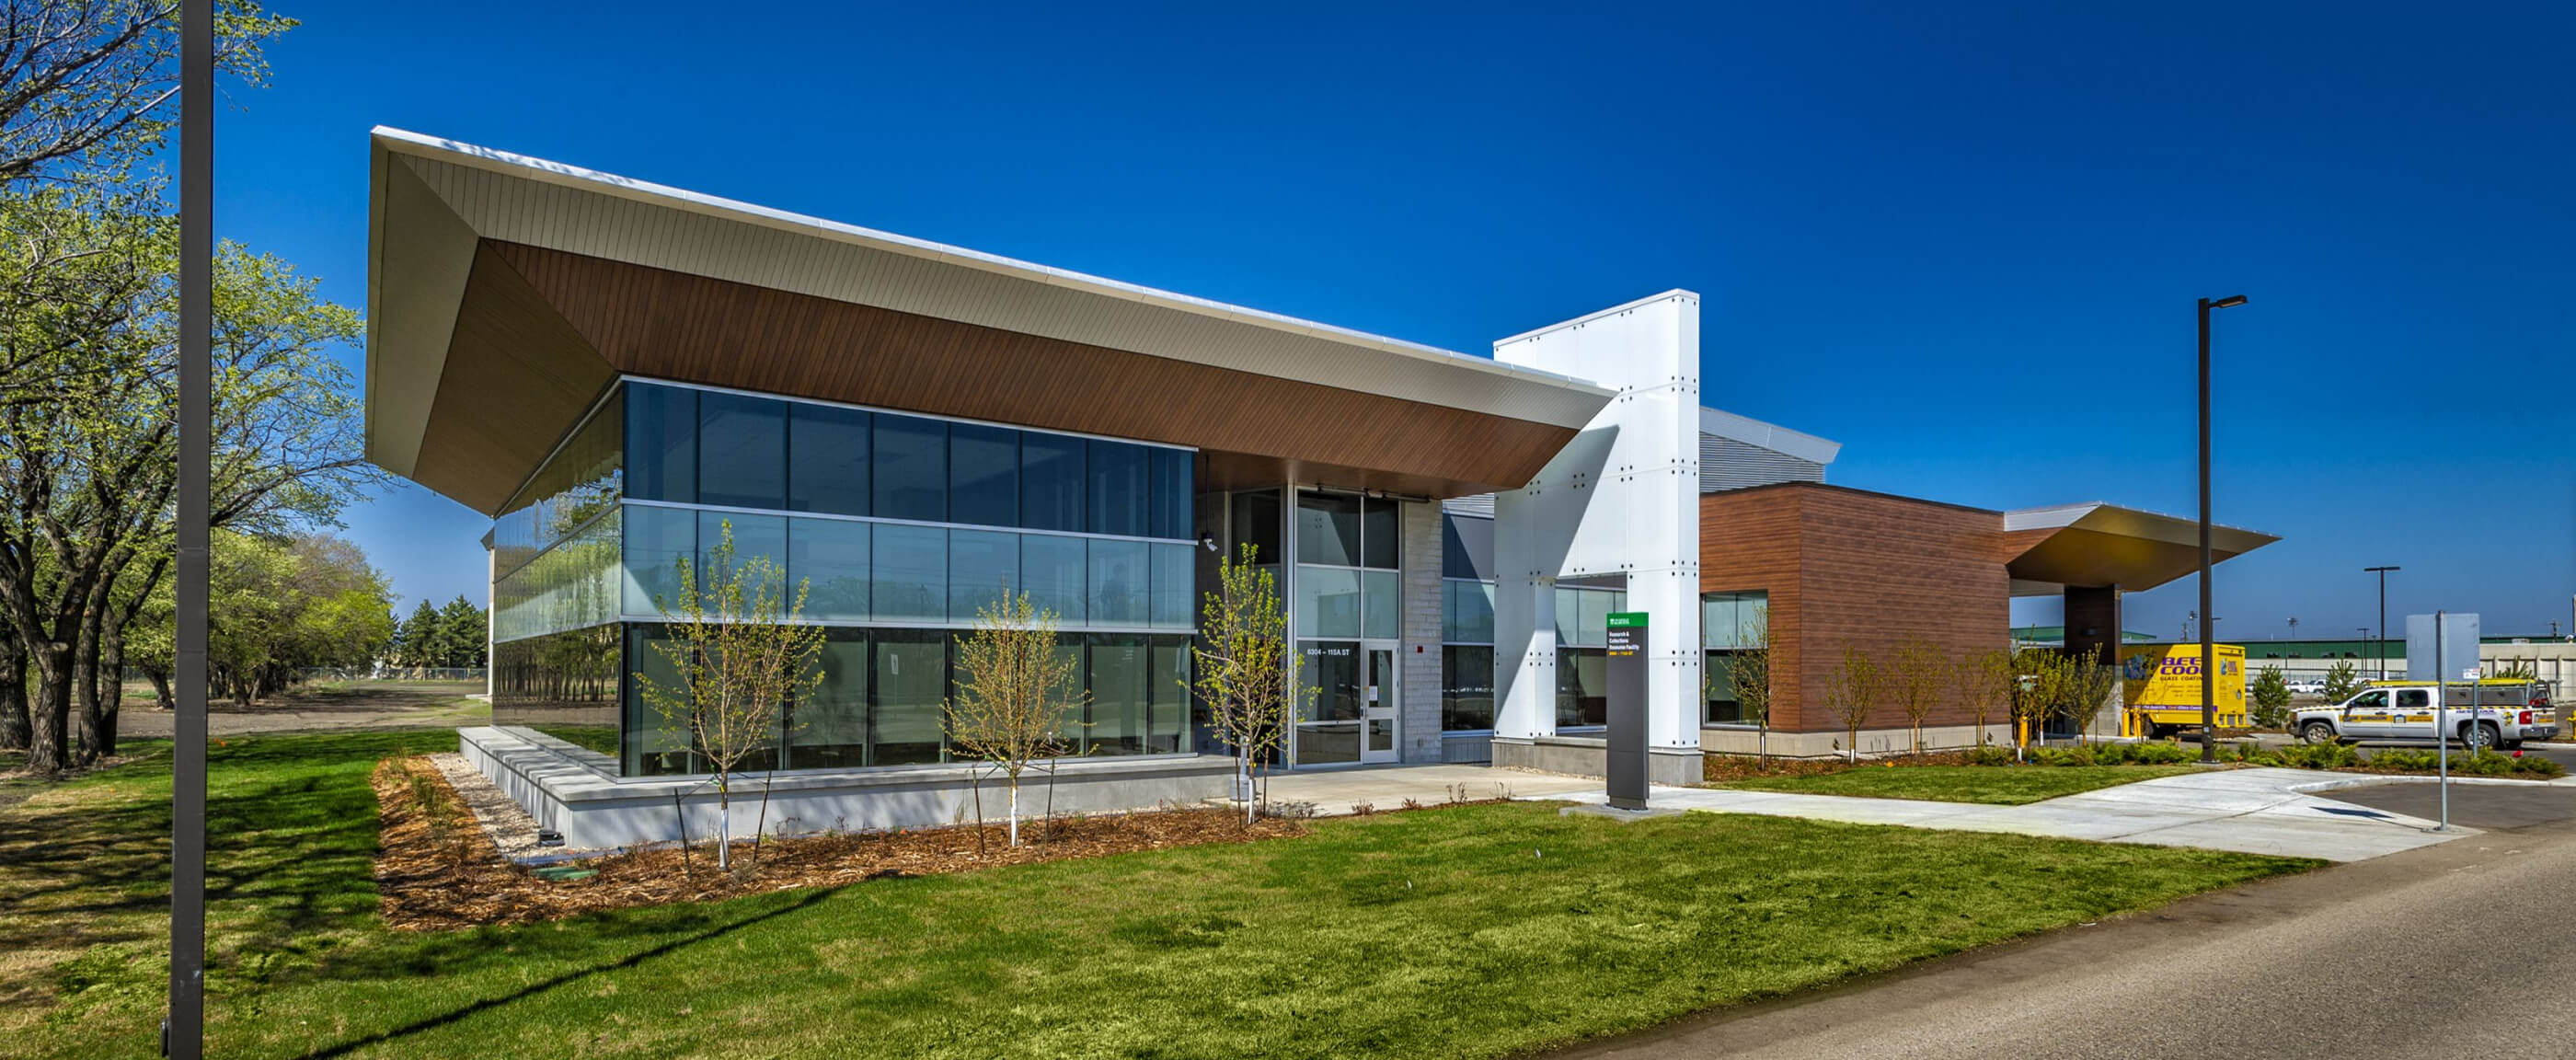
x: 1867, y: 569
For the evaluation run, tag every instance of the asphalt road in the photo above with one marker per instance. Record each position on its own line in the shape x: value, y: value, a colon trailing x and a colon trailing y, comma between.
x: 2380, y: 958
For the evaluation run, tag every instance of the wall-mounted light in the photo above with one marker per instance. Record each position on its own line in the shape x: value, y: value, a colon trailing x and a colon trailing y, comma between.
x: 1208, y: 542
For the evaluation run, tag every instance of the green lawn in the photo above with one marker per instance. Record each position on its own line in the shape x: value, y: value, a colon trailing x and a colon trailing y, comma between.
x: 1462, y: 932
x: 1997, y: 785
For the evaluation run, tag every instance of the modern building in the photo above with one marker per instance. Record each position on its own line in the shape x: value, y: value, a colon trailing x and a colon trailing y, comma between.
x: 621, y: 374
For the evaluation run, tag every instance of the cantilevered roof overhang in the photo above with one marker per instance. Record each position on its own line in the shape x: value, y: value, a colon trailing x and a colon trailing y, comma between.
x: 506, y: 293
x: 2096, y: 544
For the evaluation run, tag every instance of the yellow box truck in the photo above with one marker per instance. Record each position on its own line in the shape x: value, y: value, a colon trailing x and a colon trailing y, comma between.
x: 2160, y: 689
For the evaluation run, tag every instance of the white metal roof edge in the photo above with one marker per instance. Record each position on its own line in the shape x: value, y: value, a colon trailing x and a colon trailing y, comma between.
x: 1598, y: 314
x: 1770, y: 436
x: 2062, y: 516
x: 390, y: 139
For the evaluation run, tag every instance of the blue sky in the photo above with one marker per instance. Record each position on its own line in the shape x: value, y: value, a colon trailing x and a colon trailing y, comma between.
x: 1963, y: 240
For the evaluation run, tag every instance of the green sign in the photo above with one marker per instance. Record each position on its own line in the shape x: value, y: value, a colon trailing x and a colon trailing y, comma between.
x: 1627, y: 620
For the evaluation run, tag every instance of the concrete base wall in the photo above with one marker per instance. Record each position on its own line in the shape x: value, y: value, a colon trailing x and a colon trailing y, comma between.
x: 576, y: 793
x: 1588, y: 756
x: 1733, y: 740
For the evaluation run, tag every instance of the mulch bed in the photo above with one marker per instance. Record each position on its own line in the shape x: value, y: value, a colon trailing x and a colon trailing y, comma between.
x: 437, y: 870
x: 1722, y: 768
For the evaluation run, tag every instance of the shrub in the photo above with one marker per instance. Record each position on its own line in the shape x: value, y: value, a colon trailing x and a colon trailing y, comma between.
x: 2161, y: 754
x: 1991, y: 755
x: 2308, y: 756
x: 2398, y: 758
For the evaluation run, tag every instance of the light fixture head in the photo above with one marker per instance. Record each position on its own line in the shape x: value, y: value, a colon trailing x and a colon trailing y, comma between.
x: 2229, y: 302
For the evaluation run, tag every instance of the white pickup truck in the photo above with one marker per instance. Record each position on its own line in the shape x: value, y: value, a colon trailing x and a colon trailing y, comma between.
x: 2491, y: 713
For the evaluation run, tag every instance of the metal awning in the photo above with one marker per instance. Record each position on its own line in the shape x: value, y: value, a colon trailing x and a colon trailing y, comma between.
x: 2099, y: 544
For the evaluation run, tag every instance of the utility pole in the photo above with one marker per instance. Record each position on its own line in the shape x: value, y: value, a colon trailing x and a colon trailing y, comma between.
x: 2208, y: 650
x: 2381, y: 648
x: 183, y: 1032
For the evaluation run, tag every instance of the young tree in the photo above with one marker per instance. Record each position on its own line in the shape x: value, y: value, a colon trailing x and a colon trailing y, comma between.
x: 1982, y: 682
x: 1012, y: 706
x: 1749, y: 671
x: 2088, y: 684
x: 1914, y: 682
x: 1851, y: 693
x: 2271, y: 695
x: 2343, y: 681
x: 2039, y: 681
x: 1246, y: 672
x: 740, y: 660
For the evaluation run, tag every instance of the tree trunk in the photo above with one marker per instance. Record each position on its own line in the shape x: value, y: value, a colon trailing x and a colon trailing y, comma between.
x: 50, y: 714
x: 85, y: 698
x: 111, y: 663
x: 724, y: 829
x: 13, y: 695
x: 162, y: 697
x: 1015, y: 809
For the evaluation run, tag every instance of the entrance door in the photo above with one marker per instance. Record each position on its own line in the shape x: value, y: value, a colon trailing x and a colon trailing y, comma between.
x: 1378, y: 702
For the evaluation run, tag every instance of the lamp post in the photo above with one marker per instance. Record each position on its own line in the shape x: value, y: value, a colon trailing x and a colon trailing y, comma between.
x: 2380, y: 649
x: 183, y: 1027
x: 2208, y: 645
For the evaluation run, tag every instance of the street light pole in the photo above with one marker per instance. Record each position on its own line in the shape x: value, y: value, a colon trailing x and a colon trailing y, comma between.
x: 2381, y: 648
x: 2208, y: 645
x: 183, y: 1032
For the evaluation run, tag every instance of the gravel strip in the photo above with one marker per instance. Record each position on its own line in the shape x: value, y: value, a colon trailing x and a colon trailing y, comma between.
x: 511, y: 829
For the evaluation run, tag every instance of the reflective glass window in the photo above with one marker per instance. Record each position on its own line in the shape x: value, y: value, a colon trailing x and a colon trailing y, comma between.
x: 1118, y: 583
x: 1175, y: 585
x: 1328, y: 728
x: 1328, y: 602
x: 661, y: 443
x: 829, y: 729
x: 1170, y: 497
x: 1115, y: 500
x: 830, y: 558
x: 1466, y: 687
x: 1256, y: 523
x: 1582, y: 686
x: 1378, y: 533
x: 909, y: 468
x: 827, y: 454
x: 1051, y: 481
x: 1120, y: 676
x: 1052, y: 573
x: 908, y: 682
x: 754, y: 537
x: 910, y: 573
x: 982, y: 566
x: 983, y: 475
x: 1378, y: 608
x: 1168, y: 694
x: 742, y: 451
x: 657, y: 539
x: 1328, y: 529
x: 1467, y: 616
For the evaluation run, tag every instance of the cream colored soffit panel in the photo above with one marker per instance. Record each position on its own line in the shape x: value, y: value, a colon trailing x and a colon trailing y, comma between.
x: 524, y: 200
x: 412, y: 235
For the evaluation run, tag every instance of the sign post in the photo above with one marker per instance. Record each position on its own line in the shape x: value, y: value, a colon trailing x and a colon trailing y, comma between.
x: 1626, y: 745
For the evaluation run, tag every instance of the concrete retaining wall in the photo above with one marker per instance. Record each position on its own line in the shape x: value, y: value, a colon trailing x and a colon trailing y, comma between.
x: 572, y: 792
x: 1588, y: 756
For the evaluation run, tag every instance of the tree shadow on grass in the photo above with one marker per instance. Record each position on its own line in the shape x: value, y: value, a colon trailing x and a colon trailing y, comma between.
x: 805, y: 901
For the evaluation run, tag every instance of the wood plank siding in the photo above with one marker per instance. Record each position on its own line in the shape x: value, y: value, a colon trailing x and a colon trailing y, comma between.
x: 1257, y: 429
x: 1865, y: 569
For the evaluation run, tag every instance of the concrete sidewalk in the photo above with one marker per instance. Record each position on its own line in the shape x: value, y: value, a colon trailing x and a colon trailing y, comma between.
x: 2255, y: 811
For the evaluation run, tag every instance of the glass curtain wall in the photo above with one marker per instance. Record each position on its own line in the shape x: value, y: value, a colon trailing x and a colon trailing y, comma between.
x: 1583, y: 609
x: 1466, y: 623
x: 1347, y: 590
x: 1730, y: 625
x: 555, y: 555
x: 901, y: 530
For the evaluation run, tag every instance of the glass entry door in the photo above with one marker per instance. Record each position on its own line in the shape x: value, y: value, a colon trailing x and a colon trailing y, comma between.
x: 1378, y: 702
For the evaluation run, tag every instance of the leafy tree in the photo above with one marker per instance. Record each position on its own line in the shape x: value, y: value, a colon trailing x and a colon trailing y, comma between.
x: 740, y: 660
x: 2271, y: 695
x: 2088, y: 682
x: 95, y: 81
x: 463, y: 633
x: 1852, y: 691
x: 1016, y: 696
x: 2343, y: 681
x: 1246, y: 671
x: 278, y: 606
x: 88, y: 468
x: 1982, y: 682
x: 1914, y: 682
x: 2039, y: 684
